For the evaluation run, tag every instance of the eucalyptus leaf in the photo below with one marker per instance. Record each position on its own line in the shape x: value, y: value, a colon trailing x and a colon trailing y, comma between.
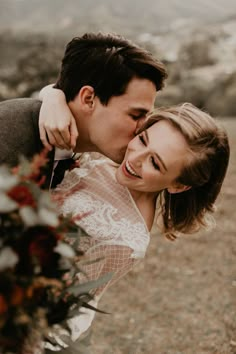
x: 88, y: 306
x: 86, y: 287
x: 95, y: 260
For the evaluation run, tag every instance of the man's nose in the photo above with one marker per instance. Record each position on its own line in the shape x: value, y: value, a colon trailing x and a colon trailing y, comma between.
x: 139, y: 124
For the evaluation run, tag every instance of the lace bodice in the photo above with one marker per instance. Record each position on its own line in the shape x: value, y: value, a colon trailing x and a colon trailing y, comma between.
x: 118, y: 235
x: 110, y: 214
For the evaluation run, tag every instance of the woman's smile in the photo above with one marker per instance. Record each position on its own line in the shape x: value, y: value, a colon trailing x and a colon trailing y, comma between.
x: 129, y: 171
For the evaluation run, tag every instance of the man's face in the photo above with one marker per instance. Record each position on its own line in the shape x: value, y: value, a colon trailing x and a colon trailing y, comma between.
x: 112, y: 127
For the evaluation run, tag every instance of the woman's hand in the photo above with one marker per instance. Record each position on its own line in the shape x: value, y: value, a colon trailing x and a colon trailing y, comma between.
x: 57, y: 125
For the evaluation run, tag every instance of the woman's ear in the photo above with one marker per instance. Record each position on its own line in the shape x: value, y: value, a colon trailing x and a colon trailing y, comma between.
x: 86, y: 97
x: 178, y: 188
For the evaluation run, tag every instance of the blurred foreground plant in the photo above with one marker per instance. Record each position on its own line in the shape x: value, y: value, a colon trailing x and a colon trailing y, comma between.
x: 38, y: 266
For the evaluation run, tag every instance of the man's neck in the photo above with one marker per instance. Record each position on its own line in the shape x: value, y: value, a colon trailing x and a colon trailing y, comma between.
x: 83, y: 143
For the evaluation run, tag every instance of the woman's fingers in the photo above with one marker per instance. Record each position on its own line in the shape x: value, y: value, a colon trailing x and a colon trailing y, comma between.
x: 73, y: 133
x: 57, y: 125
x: 56, y: 138
x: 64, y: 139
x: 44, y: 139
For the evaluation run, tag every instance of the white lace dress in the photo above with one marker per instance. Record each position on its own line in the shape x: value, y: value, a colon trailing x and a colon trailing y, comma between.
x: 117, y: 230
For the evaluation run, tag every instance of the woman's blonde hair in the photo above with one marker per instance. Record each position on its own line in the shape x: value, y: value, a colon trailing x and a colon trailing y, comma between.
x: 205, y: 172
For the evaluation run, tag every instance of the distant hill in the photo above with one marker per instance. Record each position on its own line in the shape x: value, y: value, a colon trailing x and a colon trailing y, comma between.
x: 196, y: 39
x: 69, y: 17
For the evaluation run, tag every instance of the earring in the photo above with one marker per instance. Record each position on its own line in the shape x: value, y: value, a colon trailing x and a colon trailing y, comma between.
x: 169, y: 207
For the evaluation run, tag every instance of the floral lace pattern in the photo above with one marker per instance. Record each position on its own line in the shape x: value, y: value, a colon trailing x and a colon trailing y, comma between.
x: 110, y: 219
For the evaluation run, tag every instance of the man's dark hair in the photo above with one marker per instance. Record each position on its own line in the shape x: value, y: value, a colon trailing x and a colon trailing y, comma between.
x: 107, y: 62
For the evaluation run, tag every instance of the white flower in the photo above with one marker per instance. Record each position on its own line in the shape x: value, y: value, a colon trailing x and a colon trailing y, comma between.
x: 65, y: 250
x: 29, y: 216
x: 7, y: 180
x: 47, y: 211
x: 48, y: 217
x: 8, y: 258
x: 7, y: 204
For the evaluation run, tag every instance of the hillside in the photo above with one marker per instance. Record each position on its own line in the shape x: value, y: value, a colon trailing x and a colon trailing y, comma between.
x: 196, y: 41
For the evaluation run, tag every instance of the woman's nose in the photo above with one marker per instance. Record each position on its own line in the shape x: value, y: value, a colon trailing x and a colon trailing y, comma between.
x: 139, y: 157
x: 138, y: 163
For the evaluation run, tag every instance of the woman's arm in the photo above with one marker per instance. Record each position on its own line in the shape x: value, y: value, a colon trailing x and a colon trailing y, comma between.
x: 56, y: 123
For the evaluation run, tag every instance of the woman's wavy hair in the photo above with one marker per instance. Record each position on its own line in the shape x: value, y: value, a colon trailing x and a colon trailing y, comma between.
x: 205, y: 171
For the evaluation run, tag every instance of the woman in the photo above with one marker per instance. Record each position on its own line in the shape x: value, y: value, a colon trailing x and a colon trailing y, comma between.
x: 172, y: 171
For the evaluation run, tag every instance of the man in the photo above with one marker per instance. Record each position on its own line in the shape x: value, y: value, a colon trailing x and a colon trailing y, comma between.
x: 109, y: 83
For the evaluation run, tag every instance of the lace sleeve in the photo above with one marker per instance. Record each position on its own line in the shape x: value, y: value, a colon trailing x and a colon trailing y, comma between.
x: 115, y: 259
x: 112, y: 258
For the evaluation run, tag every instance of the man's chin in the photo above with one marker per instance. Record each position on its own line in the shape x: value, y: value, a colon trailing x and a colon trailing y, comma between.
x: 117, y: 159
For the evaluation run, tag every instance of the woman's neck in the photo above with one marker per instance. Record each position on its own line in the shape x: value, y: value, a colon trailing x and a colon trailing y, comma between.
x: 146, y: 203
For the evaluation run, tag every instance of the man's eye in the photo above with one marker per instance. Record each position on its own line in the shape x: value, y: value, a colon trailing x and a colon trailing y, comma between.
x: 135, y: 117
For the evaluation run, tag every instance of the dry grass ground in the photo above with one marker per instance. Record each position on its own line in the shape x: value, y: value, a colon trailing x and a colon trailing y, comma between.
x: 182, y: 298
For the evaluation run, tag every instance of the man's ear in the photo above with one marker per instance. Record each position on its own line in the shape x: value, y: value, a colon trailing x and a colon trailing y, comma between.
x: 86, y: 97
x: 178, y: 188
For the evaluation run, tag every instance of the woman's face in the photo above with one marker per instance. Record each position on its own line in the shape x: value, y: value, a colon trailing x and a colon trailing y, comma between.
x: 154, y: 159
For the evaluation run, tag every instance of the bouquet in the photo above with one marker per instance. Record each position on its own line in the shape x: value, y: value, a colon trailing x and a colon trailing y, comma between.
x: 38, y: 266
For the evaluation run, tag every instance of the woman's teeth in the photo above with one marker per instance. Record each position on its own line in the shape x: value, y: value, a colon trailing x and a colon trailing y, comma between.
x: 130, y: 170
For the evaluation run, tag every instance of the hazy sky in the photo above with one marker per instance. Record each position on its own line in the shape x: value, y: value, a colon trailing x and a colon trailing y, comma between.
x: 56, y: 15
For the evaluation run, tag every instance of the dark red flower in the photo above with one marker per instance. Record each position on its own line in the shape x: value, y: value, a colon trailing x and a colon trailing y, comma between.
x: 42, y: 247
x: 36, y: 247
x: 3, y: 305
x: 22, y: 195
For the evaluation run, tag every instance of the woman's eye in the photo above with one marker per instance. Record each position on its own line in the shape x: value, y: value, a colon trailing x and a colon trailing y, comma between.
x: 141, y: 138
x: 155, y: 165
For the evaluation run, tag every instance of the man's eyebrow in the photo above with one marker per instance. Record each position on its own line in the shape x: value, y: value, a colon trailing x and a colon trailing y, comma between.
x: 157, y: 155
